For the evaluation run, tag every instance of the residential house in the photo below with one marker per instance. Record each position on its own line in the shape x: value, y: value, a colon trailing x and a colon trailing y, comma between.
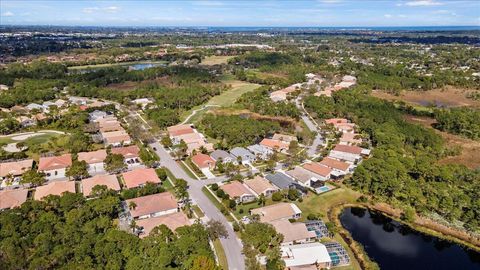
x: 260, y: 151
x: 274, y: 145
x: 260, y: 185
x: 54, y: 188
x: 203, y: 161
x: 15, y: 168
x: 322, y: 172
x: 60, y: 103
x: 348, y: 153
x: 243, y: 155
x: 116, y: 138
x: 96, y: 115
x: 94, y: 160
x: 131, y: 154
x: 56, y: 166
x: 339, y: 168
x: 26, y: 121
x: 305, y: 177
x: 282, y: 95
x: 140, y: 177
x: 277, y: 211
x: 12, y: 198
x: 110, y: 181
x: 314, y: 255
x: 172, y: 221
x: 178, y: 130
x: 155, y: 205
x: 238, y: 192
x: 293, y: 233
x: 223, y: 156
x: 284, y: 182
x: 350, y: 138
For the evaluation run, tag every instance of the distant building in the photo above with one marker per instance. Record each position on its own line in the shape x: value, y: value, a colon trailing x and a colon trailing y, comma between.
x: 293, y: 233
x: 15, y: 168
x: 284, y: 182
x: 274, y: 145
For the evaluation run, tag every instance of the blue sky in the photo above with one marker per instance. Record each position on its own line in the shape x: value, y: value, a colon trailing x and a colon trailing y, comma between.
x: 242, y: 13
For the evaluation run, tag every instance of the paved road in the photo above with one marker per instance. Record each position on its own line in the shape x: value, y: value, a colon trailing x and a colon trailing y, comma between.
x: 231, y: 245
x: 312, y: 149
x: 197, y: 110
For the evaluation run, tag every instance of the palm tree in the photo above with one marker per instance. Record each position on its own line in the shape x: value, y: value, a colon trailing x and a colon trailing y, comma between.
x: 132, y: 205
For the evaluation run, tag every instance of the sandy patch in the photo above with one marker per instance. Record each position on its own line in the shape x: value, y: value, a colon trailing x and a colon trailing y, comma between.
x: 26, y: 136
x: 12, y: 148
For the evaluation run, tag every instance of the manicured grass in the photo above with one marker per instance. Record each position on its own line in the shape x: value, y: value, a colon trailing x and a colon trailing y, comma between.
x: 320, y: 204
x: 229, y: 97
x: 115, y: 64
x: 222, y: 258
x: 185, y: 168
x: 216, y: 59
x: 215, y: 202
x: 167, y: 185
x: 198, y: 211
x: 5, y: 140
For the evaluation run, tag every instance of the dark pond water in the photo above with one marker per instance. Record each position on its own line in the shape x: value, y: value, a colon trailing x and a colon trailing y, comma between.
x: 142, y: 66
x: 396, y: 246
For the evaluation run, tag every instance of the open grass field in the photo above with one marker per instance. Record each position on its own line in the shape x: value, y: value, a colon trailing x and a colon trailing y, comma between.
x: 469, y: 155
x: 445, y: 97
x: 216, y: 59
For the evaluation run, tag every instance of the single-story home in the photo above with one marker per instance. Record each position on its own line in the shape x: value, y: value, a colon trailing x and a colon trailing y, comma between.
x: 305, y: 255
x: 243, y: 154
x: 293, y: 233
x: 283, y: 182
x: 348, y: 153
x: 12, y: 198
x: 339, y: 168
x: 275, y: 144
x: 238, y: 192
x: 277, y: 211
x: 260, y: 185
x: 172, y: 221
x: 224, y: 156
x: 110, y: 181
x: 15, y: 168
x: 131, y: 154
x: 350, y: 138
x: 55, y: 167
x: 284, y: 138
x: 322, y: 172
x: 203, y: 161
x: 140, y: 177
x: 116, y: 138
x: 54, y: 188
x: 94, y: 160
x: 260, y: 151
x: 152, y: 205
x: 304, y: 177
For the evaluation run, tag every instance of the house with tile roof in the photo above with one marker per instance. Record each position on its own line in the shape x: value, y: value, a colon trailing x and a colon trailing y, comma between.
x: 154, y: 205
x: 277, y: 211
x: 55, y: 167
x: 54, y: 188
x: 131, y: 154
x: 275, y: 145
x: 15, y: 168
x: 94, y: 160
x: 12, y: 198
x: 140, y: 177
x: 238, y: 192
x: 293, y: 233
x: 172, y: 221
x: 260, y: 185
x: 243, y: 154
x: 223, y: 156
x: 110, y: 181
x: 203, y: 161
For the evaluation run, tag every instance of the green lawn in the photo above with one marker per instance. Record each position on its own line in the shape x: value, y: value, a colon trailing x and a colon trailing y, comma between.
x: 216, y: 59
x: 198, y: 211
x: 215, y: 202
x: 222, y: 258
x: 185, y: 168
x: 320, y: 204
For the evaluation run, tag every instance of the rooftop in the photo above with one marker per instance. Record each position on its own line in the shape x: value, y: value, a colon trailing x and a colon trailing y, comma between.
x: 93, y: 157
x: 140, y: 177
x: 15, y: 167
x: 54, y: 188
x: 280, y: 180
x: 305, y: 254
x: 318, y: 169
x: 131, y: 151
x: 11, y: 198
x: 334, y: 164
x: 348, y: 149
x: 152, y: 204
x: 55, y: 162
x: 202, y: 160
x: 274, y: 144
x: 276, y: 211
x: 300, y: 174
x: 172, y: 221
x: 259, y: 184
x: 292, y: 231
x: 108, y: 180
x: 235, y: 189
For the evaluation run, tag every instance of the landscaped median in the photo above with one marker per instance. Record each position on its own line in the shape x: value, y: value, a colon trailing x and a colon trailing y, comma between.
x: 230, y: 217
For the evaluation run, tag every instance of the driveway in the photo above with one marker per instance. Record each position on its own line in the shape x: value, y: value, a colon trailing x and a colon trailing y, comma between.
x: 231, y: 245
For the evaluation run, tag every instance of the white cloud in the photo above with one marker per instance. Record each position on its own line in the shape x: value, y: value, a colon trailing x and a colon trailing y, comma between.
x: 388, y: 16
x: 423, y: 3
x: 330, y: 1
x: 111, y: 9
x: 8, y: 14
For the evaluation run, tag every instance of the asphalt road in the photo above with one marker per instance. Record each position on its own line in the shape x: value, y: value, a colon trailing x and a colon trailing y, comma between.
x: 231, y: 245
x: 312, y: 149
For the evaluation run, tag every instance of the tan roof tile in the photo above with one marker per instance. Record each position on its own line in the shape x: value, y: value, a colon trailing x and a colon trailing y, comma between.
x: 12, y: 198
x: 93, y: 157
x: 110, y: 181
x: 140, y: 177
x: 150, y: 204
x: 55, y: 162
x: 54, y: 188
x: 15, y: 167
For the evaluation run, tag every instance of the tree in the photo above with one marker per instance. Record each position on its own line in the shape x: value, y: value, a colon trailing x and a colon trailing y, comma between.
x: 204, y: 263
x: 166, y: 141
x: 277, y: 196
x: 78, y: 170
x: 33, y: 177
x: 132, y: 205
x: 216, y: 229
x: 181, y: 187
x: 293, y: 194
x: 114, y: 163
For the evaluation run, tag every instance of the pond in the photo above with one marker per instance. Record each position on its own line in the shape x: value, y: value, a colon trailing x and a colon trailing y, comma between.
x: 396, y: 246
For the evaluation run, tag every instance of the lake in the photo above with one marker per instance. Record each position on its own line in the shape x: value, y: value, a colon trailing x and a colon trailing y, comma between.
x: 396, y: 246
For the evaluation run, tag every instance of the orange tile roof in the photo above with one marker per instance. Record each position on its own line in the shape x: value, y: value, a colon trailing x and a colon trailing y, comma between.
x: 235, y: 189
x: 178, y: 127
x: 93, y: 157
x: 116, y: 136
x: 127, y: 151
x: 348, y: 149
x: 108, y: 180
x: 11, y: 198
x: 54, y: 188
x: 317, y: 169
x: 15, y: 167
x: 276, y: 211
x: 172, y: 221
x: 259, y: 184
x: 152, y: 204
x: 336, y: 121
x: 335, y: 164
x: 292, y: 231
x: 55, y: 162
x: 140, y: 177
x: 274, y: 144
x: 203, y: 161
x: 350, y: 138
x: 180, y: 132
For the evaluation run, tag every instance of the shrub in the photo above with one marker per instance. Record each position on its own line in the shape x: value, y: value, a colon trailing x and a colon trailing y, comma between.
x: 277, y: 196
x: 214, y: 187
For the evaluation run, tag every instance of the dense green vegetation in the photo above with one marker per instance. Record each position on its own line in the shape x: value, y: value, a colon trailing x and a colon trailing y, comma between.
x: 403, y: 169
x: 462, y: 121
x: 262, y: 239
x: 258, y: 101
x: 69, y: 232
x: 234, y: 130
